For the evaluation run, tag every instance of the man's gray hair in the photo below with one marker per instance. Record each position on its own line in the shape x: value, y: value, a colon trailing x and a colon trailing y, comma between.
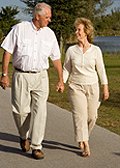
x: 40, y: 8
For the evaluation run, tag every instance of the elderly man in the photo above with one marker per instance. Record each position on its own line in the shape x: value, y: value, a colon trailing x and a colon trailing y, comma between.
x: 31, y: 43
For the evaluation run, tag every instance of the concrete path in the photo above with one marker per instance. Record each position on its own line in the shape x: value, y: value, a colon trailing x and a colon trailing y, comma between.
x: 59, y: 146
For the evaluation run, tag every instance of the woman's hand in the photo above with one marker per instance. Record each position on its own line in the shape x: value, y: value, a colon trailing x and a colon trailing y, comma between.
x: 105, y: 92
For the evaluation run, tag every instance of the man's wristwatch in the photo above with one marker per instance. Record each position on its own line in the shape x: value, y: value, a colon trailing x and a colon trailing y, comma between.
x: 4, y: 74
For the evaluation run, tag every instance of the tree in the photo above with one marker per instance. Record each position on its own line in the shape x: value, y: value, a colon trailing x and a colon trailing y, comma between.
x: 102, y: 6
x: 109, y: 24
x: 1, y: 35
x: 7, y: 18
x: 96, y: 8
x: 65, y: 12
x: 31, y: 4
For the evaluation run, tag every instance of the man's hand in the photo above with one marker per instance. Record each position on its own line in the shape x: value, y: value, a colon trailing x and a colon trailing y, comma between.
x: 4, y: 82
x: 58, y: 66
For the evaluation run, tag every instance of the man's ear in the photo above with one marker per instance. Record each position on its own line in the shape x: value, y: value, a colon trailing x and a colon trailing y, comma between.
x: 37, y: 16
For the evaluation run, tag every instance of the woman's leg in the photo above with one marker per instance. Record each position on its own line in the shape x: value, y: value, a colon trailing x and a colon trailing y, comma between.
x: 79, y: 110
x: 93, y: 104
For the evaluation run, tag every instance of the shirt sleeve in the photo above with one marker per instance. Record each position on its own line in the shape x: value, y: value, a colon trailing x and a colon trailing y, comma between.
x: 9, y: 42
x: 67, y: 66
x: 100, y: 67
x: 55, y: 53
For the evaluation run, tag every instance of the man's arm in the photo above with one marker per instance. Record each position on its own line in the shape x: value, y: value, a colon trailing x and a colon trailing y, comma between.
x: 58, y: 66
x: 4, y: 81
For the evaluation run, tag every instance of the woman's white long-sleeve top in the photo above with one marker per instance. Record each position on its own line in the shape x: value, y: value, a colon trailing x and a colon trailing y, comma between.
x: 84, y: 68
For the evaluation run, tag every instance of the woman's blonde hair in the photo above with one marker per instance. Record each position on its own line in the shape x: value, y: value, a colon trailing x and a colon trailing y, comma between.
x: 88, y: 27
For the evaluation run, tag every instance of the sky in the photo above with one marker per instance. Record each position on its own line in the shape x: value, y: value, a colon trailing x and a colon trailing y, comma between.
x: 16, y: 3
x: 21, y: 6
x: 116, y: 4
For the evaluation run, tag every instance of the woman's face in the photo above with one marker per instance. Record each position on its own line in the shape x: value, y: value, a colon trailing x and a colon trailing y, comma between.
x: 80, y: 33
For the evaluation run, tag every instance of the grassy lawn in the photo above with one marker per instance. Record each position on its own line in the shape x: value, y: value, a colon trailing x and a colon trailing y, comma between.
x: 109, y: 111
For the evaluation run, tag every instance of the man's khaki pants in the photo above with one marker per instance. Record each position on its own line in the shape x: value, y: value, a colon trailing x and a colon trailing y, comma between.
x: 85, y: 102
x: 29, y: 96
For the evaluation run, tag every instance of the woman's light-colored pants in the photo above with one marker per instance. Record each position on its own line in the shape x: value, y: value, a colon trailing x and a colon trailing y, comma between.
x: 29, y: 98
x: 85, y: 102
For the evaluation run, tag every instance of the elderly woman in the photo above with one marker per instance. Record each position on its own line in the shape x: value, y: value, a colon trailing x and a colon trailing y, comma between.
x: 83, y: 65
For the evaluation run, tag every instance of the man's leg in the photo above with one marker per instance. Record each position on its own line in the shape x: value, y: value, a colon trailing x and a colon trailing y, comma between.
x: 39, y: 111
x: 21, y: 108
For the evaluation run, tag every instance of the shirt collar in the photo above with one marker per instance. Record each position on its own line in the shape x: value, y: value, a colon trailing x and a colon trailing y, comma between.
x: 34, y: 27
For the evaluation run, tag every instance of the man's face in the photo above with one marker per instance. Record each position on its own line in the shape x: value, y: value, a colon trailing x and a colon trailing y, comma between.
x: 43, y: 20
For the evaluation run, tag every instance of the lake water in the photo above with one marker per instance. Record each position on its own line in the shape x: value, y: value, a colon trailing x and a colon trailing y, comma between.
x: 108, y: 43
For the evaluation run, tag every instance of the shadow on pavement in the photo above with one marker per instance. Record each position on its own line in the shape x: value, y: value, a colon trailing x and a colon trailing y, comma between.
x: 9, y: 137
x: 61, y: 146
x: 117, y: 153
x: 14, y: 150
x: 10, y: 149
x: 46, y: 144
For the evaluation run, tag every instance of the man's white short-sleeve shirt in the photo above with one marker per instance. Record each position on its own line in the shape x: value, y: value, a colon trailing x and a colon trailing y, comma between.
x: 31, y: 48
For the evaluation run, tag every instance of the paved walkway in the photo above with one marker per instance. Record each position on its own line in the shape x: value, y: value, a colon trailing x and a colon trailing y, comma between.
x: 59, y: 146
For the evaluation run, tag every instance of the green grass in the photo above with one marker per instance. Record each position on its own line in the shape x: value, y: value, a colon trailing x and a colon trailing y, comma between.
x: 109, y: 111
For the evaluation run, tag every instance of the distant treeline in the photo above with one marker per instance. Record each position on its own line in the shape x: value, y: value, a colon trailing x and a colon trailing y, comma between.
x: 64, y: 14
x: 108, y: 25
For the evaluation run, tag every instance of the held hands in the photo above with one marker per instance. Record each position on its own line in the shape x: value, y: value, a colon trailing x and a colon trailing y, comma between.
x: 4, y: 82
x: 60, y: 87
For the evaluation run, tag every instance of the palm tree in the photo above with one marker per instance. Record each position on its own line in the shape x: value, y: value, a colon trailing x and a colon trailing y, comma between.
x: 7, y: 18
